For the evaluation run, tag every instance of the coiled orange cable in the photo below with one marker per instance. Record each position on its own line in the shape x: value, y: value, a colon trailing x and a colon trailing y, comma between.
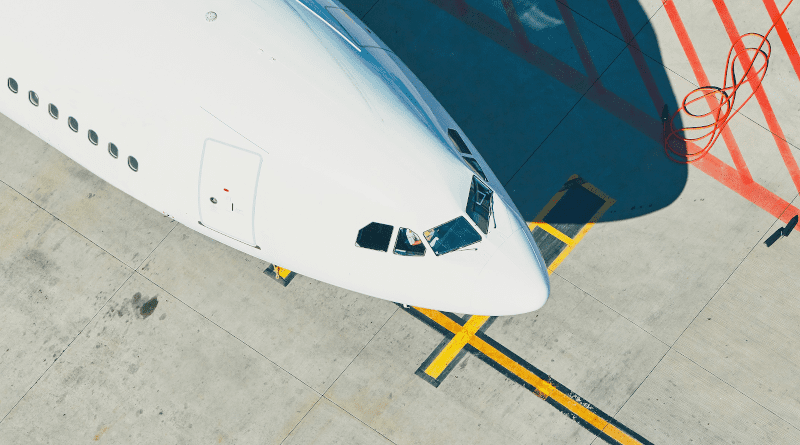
x: 720, y: 100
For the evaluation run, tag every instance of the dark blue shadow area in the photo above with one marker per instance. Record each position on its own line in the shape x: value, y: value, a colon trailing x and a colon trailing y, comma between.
x: 535, y: 128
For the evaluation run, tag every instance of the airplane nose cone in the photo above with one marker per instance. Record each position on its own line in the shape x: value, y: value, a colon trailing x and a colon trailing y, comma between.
x: 514, y: 279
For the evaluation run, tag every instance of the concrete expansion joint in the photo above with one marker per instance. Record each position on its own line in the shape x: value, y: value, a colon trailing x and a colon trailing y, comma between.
x: 301, y: 419
x: 738, y: 391
x: 612, y: 309
x: 355, y: 417
x: 732, y: 273
x: 64, y: 223
x: 228, y: 332
x: 70, y: 342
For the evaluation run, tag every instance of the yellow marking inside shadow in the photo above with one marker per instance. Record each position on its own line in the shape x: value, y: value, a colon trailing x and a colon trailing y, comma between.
x: 570, y: 242
x: 553, y: 231
x: 455, y: 345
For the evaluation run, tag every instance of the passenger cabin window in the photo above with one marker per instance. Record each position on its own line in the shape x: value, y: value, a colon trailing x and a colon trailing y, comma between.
x: 53, y: 111
x: 113, y: 150
x: 408, y: 243
x: 34, y: 98
x: 93, y: 137
x: 476, y: 167
x: 73, y: 124
x: 133, y: 164
x: 375, y: 236
x: 479, y: 204
x: 451, y: 236
x: 12, y: 85
x: 458, y: 141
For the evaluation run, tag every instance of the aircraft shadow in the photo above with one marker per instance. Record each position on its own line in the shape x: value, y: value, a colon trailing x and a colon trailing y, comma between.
x: 534, y: 111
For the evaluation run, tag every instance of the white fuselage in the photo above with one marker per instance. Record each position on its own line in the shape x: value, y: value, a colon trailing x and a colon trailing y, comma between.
x: 299, y: 123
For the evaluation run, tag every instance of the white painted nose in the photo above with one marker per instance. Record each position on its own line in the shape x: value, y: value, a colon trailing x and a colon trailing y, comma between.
x: 514, y: 279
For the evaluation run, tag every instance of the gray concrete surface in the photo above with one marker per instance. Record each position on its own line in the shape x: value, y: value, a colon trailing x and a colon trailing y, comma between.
x: 475, y: 404
x: 80, y: 199
x: 671, y: 316
x: 168, y: 377
x: 746, y: 335
x: 309, y: 328
x: 327, y: 423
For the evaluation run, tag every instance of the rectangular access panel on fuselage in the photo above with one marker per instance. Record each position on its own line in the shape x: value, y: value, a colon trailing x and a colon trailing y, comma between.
x: 228, y: 183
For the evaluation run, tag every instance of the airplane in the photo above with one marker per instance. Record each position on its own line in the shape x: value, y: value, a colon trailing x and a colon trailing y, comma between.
x: 285, y: 129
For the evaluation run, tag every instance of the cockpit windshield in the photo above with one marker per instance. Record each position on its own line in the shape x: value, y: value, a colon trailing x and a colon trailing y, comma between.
x: 479, y: 204
x: 451, y: 236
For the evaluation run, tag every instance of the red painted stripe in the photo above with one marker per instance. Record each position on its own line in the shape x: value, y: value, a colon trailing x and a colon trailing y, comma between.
x: 761, y: 96
x: 783, y: 33
x: 506, y: 38
x: 577, y: 40
x: 516, y: 25
x: 753, y: 192
x: 614, y: 105
x: 700, y: 74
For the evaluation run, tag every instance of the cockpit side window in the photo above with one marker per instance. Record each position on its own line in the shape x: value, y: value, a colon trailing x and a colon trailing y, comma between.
x: 476, y: 167
x: 451, y: 236
x: 408, y: 243
x: 375, y: 236
x: 465, y: 153
x: 462, y: 147
x: 479, y: 204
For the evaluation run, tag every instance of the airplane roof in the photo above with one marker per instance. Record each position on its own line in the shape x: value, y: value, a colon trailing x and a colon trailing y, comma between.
x: 297, y: 95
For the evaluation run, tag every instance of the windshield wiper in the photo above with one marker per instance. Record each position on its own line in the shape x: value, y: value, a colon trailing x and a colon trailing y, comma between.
x: 491, y: 211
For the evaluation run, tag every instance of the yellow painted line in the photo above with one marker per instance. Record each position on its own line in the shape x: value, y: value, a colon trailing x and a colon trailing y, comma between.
x: 490, y: 351
x: 456, y: 344
x: 552, y: 203
x: 595, y: 191
x: 553, y: 231
x: 606, y: 206
x: 579, y: 410
x: 570, y: 242
x: 585, y: 229
x: 620, y: 436
x: 541, y: 387
x: 440, y: 319
x: 561, y: 257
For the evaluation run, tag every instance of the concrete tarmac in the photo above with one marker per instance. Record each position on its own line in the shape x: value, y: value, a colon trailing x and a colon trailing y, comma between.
x: 670, y: 320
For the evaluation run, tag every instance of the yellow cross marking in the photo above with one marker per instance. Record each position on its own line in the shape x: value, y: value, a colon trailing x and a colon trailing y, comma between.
x: 462, y: 337
x: 542, y: 388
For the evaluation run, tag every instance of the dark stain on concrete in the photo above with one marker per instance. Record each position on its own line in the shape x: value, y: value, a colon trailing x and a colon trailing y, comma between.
x: 141, y: 306
x: 38, y: 259
x: 149, y: 307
